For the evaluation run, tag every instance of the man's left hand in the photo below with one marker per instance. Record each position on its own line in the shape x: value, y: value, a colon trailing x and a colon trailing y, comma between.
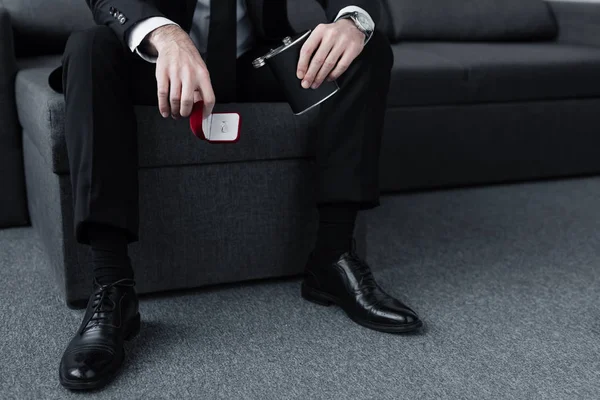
x: 328, y: 52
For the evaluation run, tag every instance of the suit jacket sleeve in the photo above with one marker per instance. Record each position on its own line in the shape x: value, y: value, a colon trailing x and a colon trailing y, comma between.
x: 333, y: 7
x: 133, y: 12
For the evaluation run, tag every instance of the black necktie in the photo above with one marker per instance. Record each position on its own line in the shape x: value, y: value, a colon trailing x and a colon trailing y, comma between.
x: 221, y: 51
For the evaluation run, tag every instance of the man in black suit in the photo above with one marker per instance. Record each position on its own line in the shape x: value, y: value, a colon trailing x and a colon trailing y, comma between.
x: 152, y: 52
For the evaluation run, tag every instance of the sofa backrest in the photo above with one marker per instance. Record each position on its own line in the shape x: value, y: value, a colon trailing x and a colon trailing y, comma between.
x: 470, y: 20
x: 43, y: 26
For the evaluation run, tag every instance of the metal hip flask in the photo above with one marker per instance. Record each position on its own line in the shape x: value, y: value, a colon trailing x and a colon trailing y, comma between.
x: 283, y: 62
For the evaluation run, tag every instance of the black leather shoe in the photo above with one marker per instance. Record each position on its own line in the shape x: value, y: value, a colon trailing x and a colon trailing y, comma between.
x: 96, y: 353
x: 349, y: 283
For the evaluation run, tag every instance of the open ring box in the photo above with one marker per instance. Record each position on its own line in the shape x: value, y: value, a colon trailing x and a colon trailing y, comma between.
x: 216, y: 127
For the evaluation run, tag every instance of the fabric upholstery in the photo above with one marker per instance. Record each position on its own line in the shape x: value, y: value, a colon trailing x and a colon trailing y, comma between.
x: 578, y: 21
x: 42, y: 26
x: 471, y: 19
x: 422, y: 77
x: 431, y: 73
x: 457, y: 145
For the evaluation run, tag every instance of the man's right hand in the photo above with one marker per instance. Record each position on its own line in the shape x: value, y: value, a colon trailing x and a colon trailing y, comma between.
x: 181, y: 74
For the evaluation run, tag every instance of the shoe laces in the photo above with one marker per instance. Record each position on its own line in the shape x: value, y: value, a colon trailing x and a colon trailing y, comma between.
x: 362, y: 269
x: 102, y: 303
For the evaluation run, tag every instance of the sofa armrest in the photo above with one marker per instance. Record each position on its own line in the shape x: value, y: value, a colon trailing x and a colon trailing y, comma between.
x: 578, y: 21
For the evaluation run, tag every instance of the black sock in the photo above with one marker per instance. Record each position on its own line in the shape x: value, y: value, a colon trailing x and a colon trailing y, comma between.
x: 336, y: 230
x: 110, y: 258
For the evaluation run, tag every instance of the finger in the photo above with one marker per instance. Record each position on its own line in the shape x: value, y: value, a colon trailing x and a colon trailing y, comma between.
x: 206, y: 91
x: 175, y: 96
x: 187, y: 99
x: 162, y: 83
x: 308, y: 49
x: 197, y: 96
x: 316, y: 63
x: 342, y: 65
x: 329, y: 64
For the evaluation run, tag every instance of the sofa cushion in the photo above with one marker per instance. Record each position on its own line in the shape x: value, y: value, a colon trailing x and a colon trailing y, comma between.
x: 269, y: 130
x: 42, y: 26
x: 431, y: 73
x: 471, y: 20
x: 420, y: 77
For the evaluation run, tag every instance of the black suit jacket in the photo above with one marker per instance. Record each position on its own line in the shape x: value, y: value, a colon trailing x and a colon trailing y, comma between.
x: 269, y: 17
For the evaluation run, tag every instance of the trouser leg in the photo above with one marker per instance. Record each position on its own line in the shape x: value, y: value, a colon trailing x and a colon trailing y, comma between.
x: 348, y: 127
x: 100, y: 81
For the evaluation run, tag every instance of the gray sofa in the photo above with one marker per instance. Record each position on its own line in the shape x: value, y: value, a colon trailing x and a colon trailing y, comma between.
x: 480, y: 111
x: 508, y: 92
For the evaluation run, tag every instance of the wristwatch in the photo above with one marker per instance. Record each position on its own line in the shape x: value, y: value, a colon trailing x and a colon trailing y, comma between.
x: 364, y: 24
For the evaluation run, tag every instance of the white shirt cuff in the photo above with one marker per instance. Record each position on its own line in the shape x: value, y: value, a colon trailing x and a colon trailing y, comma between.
x: 350, y: 9
x: 139, y: 32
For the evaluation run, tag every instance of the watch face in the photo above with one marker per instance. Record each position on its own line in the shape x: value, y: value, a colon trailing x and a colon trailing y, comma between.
x: 364, y: 21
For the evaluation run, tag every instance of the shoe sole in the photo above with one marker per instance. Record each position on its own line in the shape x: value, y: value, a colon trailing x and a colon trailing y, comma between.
x: 325, y: 299
x: 132, y: 331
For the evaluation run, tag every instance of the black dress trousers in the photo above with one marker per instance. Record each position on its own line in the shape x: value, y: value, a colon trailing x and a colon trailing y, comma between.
x: 102, y: 81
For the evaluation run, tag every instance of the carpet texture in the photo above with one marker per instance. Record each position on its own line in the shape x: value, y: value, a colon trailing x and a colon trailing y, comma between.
x: 507, y: 279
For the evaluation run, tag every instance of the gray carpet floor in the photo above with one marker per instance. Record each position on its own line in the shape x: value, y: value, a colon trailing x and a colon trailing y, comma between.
x: 507, y: 279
